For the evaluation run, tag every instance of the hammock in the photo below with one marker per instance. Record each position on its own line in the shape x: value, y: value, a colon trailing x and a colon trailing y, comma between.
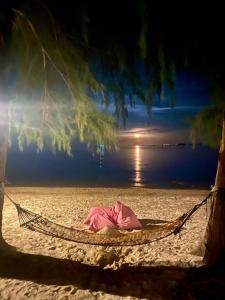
x: 37, y: 223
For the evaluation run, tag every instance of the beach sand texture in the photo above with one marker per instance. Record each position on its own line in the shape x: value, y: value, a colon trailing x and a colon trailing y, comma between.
x: 70, y: 206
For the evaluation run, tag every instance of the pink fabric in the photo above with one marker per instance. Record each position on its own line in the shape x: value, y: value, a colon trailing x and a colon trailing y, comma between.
x: 119, y: 216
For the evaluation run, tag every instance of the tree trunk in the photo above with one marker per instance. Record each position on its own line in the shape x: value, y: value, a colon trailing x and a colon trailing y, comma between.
x: 3, y: 157
x: 4, y: 137
x: 215, y: 233
x: 5, y: 70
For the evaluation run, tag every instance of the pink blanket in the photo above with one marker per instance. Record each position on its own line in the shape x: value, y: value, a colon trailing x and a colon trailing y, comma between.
x: 119, y: 216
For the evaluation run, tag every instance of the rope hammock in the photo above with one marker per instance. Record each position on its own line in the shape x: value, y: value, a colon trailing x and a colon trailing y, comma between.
x: 37, y: 223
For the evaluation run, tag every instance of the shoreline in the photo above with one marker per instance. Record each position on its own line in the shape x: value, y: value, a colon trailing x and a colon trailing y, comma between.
x: 178, y: 187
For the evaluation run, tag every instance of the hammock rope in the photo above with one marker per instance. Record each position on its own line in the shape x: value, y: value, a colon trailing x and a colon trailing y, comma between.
x: 38, y: 223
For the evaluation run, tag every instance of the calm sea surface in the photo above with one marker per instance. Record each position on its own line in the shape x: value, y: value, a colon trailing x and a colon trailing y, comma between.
x: 136, y: 165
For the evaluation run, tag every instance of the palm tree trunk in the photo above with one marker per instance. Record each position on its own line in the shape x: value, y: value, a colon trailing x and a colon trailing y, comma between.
x: 215, y: 233
x: 3, y: 157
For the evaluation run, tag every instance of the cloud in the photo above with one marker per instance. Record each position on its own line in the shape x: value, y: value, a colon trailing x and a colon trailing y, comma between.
x: 141, y: 108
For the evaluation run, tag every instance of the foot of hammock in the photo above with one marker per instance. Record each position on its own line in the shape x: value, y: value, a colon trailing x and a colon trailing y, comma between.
x: 5, y: 248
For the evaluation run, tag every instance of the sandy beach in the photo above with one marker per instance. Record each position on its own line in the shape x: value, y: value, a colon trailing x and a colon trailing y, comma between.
x: 45, y: 267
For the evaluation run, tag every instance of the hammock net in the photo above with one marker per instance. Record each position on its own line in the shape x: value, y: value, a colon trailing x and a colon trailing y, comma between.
x: 145, y: 235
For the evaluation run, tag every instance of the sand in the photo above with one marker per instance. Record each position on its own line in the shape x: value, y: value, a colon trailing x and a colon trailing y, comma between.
x: 49, y: 268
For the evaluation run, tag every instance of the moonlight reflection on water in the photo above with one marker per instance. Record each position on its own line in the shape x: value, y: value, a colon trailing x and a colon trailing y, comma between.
x: 137, y: 166
x: 154, y: 159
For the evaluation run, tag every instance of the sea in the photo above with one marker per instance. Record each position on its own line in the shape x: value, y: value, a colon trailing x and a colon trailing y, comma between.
x: 136, y: 165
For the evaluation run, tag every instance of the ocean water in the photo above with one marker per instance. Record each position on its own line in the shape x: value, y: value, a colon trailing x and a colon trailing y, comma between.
x: 164, y: 166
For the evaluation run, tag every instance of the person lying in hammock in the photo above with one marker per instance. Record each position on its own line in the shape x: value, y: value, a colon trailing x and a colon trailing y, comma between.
x: 119, y: 216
